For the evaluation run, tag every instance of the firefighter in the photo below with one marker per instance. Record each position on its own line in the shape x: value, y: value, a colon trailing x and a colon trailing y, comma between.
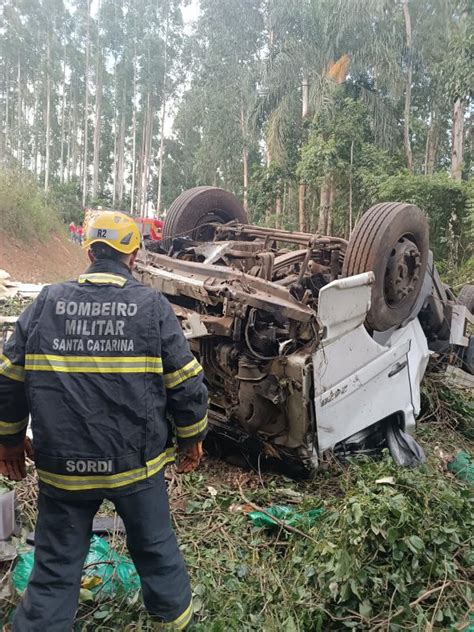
x: 102, y: 366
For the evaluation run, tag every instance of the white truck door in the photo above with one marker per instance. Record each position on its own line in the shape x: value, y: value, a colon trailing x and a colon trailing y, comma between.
x: 357, y: 380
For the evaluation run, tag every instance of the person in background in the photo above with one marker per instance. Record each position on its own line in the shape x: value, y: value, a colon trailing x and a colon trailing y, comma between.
x: 72, y: 232
x: 79, y: 234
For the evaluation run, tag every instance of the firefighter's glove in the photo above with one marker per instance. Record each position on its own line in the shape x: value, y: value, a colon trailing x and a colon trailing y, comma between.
x: 191, y: 458
x: 13, y: 459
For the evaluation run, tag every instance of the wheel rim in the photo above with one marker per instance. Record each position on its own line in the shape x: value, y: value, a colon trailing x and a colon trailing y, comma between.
x: 403, y: 271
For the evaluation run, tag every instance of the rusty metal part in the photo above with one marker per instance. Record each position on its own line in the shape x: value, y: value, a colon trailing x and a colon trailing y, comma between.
x: 215, y: 325
x: 223, y: 231
x: 209, y: 283
x: 306, y: 260
x: 403, y: 271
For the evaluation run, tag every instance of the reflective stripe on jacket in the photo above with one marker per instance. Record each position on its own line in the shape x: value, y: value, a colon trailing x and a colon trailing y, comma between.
x: 101, y: 364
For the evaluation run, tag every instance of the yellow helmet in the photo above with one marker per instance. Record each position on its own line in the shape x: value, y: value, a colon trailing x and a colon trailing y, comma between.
x: 115, y: 229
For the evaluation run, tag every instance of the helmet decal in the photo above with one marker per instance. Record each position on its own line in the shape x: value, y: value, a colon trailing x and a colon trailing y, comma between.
x: 126, y: 240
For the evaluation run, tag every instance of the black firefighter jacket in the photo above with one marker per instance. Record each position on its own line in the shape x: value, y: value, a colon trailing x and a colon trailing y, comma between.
x: 102, y: 366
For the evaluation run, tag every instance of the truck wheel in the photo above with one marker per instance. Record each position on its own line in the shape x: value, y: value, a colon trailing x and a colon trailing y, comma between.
x: 193, y: 210
x: 392, y: 241
x: 466, y: 297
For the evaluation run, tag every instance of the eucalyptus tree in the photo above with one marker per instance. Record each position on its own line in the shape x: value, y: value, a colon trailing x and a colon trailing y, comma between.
x: 224, y: 62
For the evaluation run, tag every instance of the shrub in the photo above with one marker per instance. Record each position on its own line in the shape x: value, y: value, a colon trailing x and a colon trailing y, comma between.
x: 442, y: 199
x: 25, y: 210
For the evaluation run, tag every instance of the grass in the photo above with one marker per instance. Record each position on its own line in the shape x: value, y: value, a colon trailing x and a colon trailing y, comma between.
x: 384, y: 557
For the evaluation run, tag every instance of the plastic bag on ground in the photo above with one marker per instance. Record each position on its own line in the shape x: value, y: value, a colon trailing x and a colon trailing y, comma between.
x: 463, y: 467
x: 285, y: 514
x: 405, y: 451
x: 116, y: 572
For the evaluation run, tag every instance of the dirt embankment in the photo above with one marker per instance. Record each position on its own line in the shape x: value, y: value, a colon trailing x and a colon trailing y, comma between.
x: 55, y: 259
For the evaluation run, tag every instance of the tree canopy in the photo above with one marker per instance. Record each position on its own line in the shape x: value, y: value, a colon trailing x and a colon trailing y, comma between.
x: 307, y: 110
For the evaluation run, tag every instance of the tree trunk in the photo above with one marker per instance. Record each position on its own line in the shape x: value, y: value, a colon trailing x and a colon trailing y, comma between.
x: 407, y: 112
x: 407, y: 109
x: 74, y: 156
x: 284, y: 205
x: 143, y: 181
x: 7, y: 122
x: 245, y: 153
x: 278, y: 211
x: 332, y: 196
x: 115, y: 133
x: 268, y: 156
x: 97, y: 133
x: 323, y: 208
x: 245, y: 163
x: 161, y: 154
x: 134, y: 139
x: 302, y: 187
x: 457, y: 150
x: 162, y: 124
x: 305, y: 96
x: 48, y: 113
x: 121, y: 151
x: 351, y: 167
x: 147, y: 153
x: 86, y: 111
x: 67, y: 168
x: 301, y: 213
x: 63, y: 127
x: 19, y: 116
x: 432, y: 142
x: 35, y: 135
x: 114, y: 161
x: 98, y: 111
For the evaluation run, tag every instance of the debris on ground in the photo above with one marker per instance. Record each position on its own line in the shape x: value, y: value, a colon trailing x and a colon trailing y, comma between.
x: 8, y: 551
x: 106, y: 572
x: 463, y: 467
x: 10, y: 288
x: 458, y: 377
x: 288, y: 516
x: 8, y: 525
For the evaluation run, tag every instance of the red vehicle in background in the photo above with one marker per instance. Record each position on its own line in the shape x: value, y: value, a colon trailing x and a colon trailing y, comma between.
x: 150, y: 228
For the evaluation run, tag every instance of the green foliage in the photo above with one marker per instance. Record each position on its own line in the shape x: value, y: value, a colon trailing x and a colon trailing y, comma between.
x: 441, y: 198
x: 327, y: 152
x: 383, y: 542
x: 267, y: 183
x: 25, y: 211
x: 379, y: 545
x: 457, y: 277
x: 67, y: 199
x: 384, y: 556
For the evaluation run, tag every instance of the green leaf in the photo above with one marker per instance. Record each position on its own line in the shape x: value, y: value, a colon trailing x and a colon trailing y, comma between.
x: 415, y: 543
x: 365, y: 609
x: 86, y: 595
x: 100, y: 615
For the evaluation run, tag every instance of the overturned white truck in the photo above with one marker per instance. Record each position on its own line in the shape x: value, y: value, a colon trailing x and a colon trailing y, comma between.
x: 310, y: 344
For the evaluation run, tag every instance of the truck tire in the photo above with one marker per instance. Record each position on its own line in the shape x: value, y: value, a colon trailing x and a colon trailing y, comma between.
x: 190, y: 213
x: 466, y: 297
x: 392, y: 241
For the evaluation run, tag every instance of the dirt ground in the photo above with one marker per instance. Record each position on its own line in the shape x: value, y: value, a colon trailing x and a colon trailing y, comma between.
x: 56, y: 259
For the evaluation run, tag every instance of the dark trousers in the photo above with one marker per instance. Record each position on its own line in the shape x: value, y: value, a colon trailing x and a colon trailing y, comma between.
x: 62, y: 541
